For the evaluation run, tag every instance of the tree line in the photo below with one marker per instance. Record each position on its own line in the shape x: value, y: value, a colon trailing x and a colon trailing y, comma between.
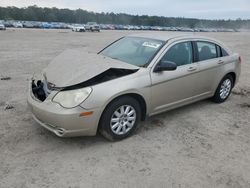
x: 35, y: 13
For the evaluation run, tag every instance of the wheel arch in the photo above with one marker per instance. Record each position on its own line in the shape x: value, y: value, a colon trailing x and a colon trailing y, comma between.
x: 216, y: 98
x: 231, y: 73
x: 233, y: 76
x: 137, y: 97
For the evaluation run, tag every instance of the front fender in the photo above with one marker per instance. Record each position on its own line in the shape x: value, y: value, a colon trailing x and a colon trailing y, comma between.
x: 104, y: 93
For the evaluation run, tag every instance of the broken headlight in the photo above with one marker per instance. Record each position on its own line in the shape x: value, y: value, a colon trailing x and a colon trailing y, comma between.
x: 72, y: 98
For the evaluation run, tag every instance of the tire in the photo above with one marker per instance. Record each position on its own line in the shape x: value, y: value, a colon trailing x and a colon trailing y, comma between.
x: 124, y: 124
x: 223, y: 90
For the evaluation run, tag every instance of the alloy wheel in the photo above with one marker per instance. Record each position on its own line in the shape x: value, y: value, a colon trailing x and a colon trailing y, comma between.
x: 225, y: 88
x: 123, y: 119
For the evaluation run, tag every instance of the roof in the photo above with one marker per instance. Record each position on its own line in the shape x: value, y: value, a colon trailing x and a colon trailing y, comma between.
x: 165, y: 36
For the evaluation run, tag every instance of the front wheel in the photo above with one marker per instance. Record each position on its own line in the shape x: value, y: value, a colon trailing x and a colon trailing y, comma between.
x: 223, y: 90
x: 120, y: 119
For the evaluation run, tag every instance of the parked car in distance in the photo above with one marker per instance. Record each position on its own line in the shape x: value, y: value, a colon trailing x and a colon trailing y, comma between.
x: 27, y: 24
x: 78, y: 28
x: 18, y: 25
x: 139, y: 75
x: 92, y: 26
x: 2, y: 27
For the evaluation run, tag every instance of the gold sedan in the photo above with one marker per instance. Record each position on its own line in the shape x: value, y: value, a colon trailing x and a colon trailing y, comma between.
x: 134, y: 77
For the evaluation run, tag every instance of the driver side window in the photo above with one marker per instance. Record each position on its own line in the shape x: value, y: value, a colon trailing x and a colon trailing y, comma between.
x: 180, y: 53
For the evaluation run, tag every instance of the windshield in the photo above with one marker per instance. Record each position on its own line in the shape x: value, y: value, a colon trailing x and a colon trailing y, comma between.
x: 133, y: 50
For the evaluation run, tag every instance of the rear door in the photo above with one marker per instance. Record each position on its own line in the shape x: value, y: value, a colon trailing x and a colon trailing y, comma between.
x: 208, y: 56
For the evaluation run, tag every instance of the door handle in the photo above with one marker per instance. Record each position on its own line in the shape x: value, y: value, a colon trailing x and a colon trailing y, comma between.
x: 220, y: 62
x: 190, y: 69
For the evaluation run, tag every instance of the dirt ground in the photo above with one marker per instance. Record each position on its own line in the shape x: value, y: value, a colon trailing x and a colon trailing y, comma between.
x: 199, y: 145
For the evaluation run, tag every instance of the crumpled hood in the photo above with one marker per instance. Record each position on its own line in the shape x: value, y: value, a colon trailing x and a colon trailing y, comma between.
x: 76, y: 66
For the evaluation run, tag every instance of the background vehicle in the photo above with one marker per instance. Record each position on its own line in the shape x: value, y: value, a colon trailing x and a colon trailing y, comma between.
x: 137, y: 76
x: 2, y: 27
x: 18, y: 25
x: 78, y: 28
x: 27, y: 24
x: 92, y: 26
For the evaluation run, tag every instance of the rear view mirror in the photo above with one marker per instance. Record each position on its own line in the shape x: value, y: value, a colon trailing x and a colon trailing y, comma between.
x: 165, y: 66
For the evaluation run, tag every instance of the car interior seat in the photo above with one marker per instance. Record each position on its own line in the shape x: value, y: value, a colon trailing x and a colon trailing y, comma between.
x: 205, y: 53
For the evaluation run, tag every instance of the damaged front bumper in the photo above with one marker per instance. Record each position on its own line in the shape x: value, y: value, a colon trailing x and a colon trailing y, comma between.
x: 61, y: 121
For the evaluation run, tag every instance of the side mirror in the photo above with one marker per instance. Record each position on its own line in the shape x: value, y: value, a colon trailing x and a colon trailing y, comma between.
x: 165, y: 66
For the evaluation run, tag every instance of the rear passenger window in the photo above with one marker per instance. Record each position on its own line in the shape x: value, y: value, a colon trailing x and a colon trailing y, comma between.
x: 206, y: 50
x: 221, y: 52
x: 224, y: 53
x: 181, y: 54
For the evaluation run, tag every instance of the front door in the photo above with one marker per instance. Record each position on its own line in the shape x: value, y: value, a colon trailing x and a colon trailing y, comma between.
x: 173, y: 88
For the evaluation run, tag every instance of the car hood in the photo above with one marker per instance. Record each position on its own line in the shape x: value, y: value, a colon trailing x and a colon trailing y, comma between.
x: 76, y: 66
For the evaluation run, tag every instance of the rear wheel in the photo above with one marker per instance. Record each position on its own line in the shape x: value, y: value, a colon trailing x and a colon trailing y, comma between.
x: 224, y: 89
x: 120, y: 119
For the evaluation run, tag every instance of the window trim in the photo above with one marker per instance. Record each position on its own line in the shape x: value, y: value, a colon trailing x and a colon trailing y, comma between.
x: 109, y: 45
x: 219, y: 54
x: 195, y: 52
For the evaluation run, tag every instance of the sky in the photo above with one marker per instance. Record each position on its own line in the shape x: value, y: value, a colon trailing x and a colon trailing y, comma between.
x: 205, y: 9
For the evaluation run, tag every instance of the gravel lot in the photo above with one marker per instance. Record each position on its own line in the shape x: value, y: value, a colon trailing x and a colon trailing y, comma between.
x: 199, y: 145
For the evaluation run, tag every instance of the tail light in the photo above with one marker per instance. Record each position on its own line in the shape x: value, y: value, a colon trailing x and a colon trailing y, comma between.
x: 239, y: 60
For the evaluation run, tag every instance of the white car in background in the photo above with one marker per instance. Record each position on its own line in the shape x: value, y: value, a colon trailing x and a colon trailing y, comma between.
x: 2, y: 27
x: 18, y: 25
x: 93, y: 26
x: 78, y: 28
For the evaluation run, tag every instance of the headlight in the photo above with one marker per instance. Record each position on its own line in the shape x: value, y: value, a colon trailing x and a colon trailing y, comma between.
x: 72, y: 98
